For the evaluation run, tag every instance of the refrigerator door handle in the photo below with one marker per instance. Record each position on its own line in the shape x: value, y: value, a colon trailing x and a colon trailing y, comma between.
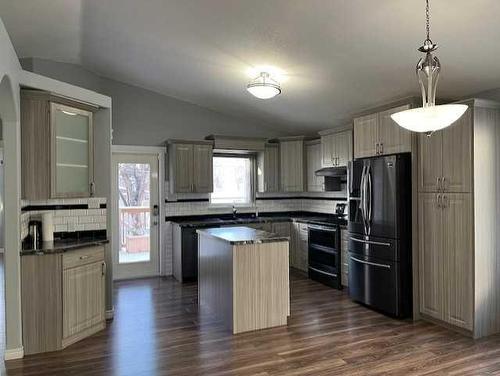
x: 371, y: 263
x: 363, y: 196
x: 369, y: 189
x: 370, y: 242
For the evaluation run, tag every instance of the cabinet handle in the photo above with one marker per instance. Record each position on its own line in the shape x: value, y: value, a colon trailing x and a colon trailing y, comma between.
x: 439, y: 204
x: 438, y: 183
x: 443, y: 184
x: 381, y: 148
x: 92, y: 188
x: 103, y: 268
x: 445, y: 202
x: 84, y: 257
x: 377, y: 149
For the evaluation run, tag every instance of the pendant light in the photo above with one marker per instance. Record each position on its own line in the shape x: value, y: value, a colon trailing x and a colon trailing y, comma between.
x: 429, y: 118
x: 264, y: 87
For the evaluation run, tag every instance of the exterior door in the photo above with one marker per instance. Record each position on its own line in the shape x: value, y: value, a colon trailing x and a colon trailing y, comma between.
x: 136, y: 196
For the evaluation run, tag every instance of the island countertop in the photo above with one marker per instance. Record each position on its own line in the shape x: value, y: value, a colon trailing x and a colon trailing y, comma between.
x: 242, y: 235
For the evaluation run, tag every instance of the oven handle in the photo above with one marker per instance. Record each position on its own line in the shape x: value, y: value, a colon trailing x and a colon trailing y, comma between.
x: 370, y: 242
x: 371, y: 263
x: 323, y: 228
x: 322, y: 272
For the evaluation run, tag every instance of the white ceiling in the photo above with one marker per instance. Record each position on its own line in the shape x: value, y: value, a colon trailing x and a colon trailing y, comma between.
x: 339, y: 56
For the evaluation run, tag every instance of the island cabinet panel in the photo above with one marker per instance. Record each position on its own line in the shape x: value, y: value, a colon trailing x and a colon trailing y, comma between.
x: 261, y: 294
x: 243, y: 283
x: 62, y: 298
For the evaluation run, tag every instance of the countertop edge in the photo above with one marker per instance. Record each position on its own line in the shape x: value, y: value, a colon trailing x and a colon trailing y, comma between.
x: 63, y: 248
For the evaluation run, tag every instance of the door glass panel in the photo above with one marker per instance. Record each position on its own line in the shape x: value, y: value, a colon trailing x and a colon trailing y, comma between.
x: 134, y: 212
x: 72, y: 152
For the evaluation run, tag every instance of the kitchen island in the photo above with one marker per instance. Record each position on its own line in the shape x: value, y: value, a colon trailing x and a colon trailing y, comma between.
x: 243, y: 277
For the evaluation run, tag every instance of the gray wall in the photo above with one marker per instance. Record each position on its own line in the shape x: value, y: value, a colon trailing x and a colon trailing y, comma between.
x: 143, y: 117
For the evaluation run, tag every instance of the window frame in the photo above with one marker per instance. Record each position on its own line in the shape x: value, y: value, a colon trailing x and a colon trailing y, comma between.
x: 253, y: 177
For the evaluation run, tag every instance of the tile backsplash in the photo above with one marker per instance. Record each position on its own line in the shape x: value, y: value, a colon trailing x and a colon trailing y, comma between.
x: 69, y: 215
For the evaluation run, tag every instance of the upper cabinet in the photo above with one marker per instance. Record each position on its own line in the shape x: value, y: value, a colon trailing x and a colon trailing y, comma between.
x: 190, y: 166
x: 445, y: 158
x: 378, y: 134
x: 313, y: 160
x: 268, y: 165
x: 292, y: 175
x: 336, y: 148
x: 57, y: 148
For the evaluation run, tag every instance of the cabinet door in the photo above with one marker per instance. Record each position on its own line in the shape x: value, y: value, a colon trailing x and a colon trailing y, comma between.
x: 303, y: 248
x: 292, y: 166
x: 327, y: 150
x: 313, y: 158
x: 430, y: 165
x: 365, y: 136
x: 271, y: 169
x: 457, y: 155
x: 343, y: 148
x: 203, y: 169
x: 183, y: 168
x: 83, y: 298
x: 72, y: 152
x: 393, y: 138
x: 459, y: 261
x: 431, y: 255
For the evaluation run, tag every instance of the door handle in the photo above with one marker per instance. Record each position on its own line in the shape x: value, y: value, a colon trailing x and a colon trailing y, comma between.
x: 370, y: 242
x: 156, y: 210
x: 371, y: 263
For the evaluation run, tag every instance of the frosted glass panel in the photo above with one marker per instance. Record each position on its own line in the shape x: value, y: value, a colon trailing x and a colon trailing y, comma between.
x: 72, y: 132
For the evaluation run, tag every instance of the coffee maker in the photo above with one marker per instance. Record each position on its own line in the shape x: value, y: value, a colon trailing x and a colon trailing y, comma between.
x: 35, y: 233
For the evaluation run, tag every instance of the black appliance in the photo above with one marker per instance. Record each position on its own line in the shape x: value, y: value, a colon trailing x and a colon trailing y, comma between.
x: 333, y: 177
x: 324, y: 255
x: 380, y: 233
x: 34, y: 238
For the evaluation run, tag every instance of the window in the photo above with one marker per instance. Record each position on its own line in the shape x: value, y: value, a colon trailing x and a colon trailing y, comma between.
x: 232, y: 180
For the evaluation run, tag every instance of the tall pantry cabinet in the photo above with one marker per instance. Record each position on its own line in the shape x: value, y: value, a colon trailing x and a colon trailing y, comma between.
x: 458, y: 221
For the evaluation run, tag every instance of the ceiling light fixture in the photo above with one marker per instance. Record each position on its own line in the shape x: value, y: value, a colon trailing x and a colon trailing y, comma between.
x: 264, y: 87
x: 429, y: 118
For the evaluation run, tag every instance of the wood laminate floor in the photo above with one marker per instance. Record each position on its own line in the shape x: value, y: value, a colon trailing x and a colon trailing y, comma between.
x: 157, y: 331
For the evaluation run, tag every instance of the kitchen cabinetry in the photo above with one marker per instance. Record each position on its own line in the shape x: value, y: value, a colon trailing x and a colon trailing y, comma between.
x: 378, y: 134
x: 57, y: 147
x: 190, y: 166
x: 445, y: 158
x: 458, y: 221
x: 299, y: 246
x: 292, y: 157
x: 184, y: 253
x: 336, y: 148
x: 344, y: 247
x: 446, y: 257
x: 313, y: 160
x: 268, y: 165
x: 62, y: 298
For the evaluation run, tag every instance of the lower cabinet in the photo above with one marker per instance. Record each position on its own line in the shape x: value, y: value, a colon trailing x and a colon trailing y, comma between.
x: 446, y: 257
x: 344, y: 242
x: 299, y: 244
x: 63, y: 298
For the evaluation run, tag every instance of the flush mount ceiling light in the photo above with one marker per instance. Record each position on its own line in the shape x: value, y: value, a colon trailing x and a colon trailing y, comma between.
x: 264, y: 87
x: 429, y: 118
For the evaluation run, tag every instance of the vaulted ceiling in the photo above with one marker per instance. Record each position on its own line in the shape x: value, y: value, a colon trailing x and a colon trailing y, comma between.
x: 338, y: 56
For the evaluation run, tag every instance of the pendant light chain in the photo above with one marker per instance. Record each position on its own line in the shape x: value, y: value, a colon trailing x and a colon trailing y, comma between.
x: 427, y: 16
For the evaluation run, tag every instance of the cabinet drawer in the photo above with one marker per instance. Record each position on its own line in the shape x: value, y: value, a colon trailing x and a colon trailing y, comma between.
x: 82, y: 256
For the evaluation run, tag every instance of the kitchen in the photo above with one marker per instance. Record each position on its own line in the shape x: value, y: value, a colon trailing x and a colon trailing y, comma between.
x: 201, y: 211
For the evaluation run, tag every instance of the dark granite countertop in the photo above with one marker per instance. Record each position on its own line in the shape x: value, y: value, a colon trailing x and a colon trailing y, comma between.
x: 62, y: 245
x: 242, y: 235
x: 223, y: 220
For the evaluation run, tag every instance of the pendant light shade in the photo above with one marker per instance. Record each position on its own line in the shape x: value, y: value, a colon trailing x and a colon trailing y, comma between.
x: 264, y: 87
x: 429, y: 118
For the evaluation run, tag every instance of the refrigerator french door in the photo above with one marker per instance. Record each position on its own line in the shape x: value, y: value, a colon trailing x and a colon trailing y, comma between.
x: 380, y: 233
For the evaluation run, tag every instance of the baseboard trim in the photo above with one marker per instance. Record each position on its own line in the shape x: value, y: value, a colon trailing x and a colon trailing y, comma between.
x: 14, y: 354
x: 110, y: 314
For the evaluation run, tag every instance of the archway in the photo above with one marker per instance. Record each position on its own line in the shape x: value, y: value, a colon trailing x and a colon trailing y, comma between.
x: 9, y: 114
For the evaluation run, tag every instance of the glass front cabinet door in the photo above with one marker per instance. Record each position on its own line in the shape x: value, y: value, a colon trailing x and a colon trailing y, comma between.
x: 72, y: 152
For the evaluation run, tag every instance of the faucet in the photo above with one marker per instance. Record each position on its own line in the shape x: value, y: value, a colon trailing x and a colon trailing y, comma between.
x: 235, y: 211
x: 256, y: 212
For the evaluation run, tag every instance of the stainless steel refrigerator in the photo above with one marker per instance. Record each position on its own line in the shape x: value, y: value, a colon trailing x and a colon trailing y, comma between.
x: 380, y: 272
